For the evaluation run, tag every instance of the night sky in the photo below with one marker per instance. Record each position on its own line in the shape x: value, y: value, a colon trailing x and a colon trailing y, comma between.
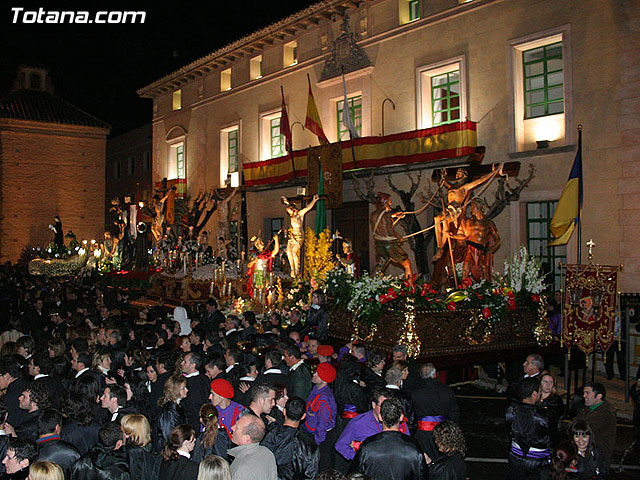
x: 99, y: 67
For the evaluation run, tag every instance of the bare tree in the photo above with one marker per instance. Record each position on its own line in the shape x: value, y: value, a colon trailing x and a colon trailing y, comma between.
x: 505, y: 193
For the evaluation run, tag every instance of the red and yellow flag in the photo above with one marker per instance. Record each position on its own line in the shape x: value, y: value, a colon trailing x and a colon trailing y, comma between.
x: 313, y: 122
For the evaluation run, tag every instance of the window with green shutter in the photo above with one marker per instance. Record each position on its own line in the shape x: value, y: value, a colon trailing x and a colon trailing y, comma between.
x: 277, y: 140
x: 445, y: 98
x: 180, y: 161
x: 414, y: 10
x: 232, y: 151
x: 355, y: 106
x: 539, y: 215
x: 543, y: 81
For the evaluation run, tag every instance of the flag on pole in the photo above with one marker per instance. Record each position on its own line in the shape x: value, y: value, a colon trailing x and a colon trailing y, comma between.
x: 346, y: 113
x: 313, y: 122
x: 285, y: 128
x: 321, y: 207
x: 567, y: 214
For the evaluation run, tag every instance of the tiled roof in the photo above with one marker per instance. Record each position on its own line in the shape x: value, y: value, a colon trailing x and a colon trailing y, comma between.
x: 39, y: 106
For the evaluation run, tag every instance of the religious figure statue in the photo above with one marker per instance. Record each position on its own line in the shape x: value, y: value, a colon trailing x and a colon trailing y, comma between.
x: 58, y: 234
x: 223, y: 214
x: 158, y: 221
x: 260, y: 264
x: 296, y: 233
x: 349, y: 260
x: 109, y: 247
x: 457, y: 193
x: 387, y: 240
x: 482, y: 239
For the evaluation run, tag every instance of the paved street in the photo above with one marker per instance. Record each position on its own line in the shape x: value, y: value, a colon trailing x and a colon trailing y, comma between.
x: 488, y: 437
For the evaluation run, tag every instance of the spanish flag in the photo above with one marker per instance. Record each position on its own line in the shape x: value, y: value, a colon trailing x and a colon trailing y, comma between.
x: 567, y: 214
x: 313, y: 122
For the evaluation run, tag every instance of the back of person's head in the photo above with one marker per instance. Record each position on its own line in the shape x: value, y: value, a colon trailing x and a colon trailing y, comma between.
x: 449, y: 438
x: 374, y: 359
x: 254, y: 428
x: 84, y: 358
x: 213, y: 467
x: 332, y: 475
x: 41, y: 360
x: 295, y: 408
x: 563, y: 457
x: 87, y: 385
x: 45, y: 470
x: 60, y: 367
x: 10, y: 365
x: 39, y: 394
x: 109, y: 435
x: 293, y: 351
x: 48, y: 420
x: 196, y: 359
x: 275, y: 357
x: 178, y: 436
x: 77, y: 408
x: 137, y: 429
x: 235, y: 354
x: 528, y: 386
x: 217, y: 360
x: 391, y: 412
x: 428, y: 370
x: 209, y: 419
x: 393, y: 376
x: 23, y: 449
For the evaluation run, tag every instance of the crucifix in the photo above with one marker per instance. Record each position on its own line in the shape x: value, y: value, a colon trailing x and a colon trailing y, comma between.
x: 591, y: 244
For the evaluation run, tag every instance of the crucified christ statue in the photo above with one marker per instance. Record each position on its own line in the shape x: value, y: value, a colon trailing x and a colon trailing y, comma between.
x: 296, y: 233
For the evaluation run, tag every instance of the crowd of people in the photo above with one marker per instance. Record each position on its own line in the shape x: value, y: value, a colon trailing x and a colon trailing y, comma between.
x: 95, y: 389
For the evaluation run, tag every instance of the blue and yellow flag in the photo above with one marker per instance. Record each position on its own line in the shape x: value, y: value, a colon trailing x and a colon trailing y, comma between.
x: 567, y: 214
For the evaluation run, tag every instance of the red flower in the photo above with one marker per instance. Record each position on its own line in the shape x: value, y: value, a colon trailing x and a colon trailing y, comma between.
x: 480, y: 297
x: 535, y: 298
x: 510, y: 294
x: 486, y: 312
x: 467, y: 282
x: 451, y: 306
x: 511, y: 304
x: 390, y: 295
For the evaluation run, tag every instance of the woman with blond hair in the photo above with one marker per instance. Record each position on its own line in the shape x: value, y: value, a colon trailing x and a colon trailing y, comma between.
x: 214, y: 467
x: 143, y: 463
x: 44, y: 470
x: 211, y: 440
x: 169, y: 414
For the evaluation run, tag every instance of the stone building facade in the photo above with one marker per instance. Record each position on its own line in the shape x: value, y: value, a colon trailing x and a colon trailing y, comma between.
x: 525, y: 74
x: 52, y: 162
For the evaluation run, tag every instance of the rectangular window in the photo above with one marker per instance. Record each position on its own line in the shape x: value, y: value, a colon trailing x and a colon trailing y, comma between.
x: 277, y: 140
x: 414, y: 10
x: 255, y: 68
x: 355, y: 106
x: 539, y: 216
x: 147, y: 161
x: 225, y: 80
x: 232, y: 151
x: 177, y: 100
x: 180, y: 170
x: 131, y: 165
x: 276, y: 225
x: 543, y: 80
x: 116, y: 170
x: 445, y: 98
x: 290, y: 54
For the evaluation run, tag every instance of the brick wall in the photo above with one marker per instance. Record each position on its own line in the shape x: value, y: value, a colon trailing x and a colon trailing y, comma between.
x: 48, y: 170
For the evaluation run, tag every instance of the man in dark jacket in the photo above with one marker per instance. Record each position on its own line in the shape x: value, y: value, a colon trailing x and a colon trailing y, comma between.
x: 50, y: 446
x: 106, y: 460
x: 297, y: 455
x: 20, y: 454
x: 600, y: 416
x: 12, y: 380
x: 433, y: 403
x: 390, y: 454
x: 317, y: 317
x: 531, y: 431
x: 197, y: 388
x: 34, y: 399
x: 299, y: 373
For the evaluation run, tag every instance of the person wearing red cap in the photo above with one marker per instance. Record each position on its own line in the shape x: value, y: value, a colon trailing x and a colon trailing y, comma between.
x: 325, y: 352
x: 321, y: 413
x: 228, y: 410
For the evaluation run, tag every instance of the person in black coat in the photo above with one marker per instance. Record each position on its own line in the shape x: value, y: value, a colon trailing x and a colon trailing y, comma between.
x: 390, y: 454
x: 297, y: 456
x: 143, y: 463
x: 170, y: 413
x: 451, y: 443
x: 432, y: 402
x: 12, y: 380
x: 34, y: 399
x: 106, y: 460
x: 40, y: 366
x: 213, y: 440
x: 317, y: 317
x: 51, y: 447
x: 79, y: 427
x: 176, y: 455
x: 197, y: 388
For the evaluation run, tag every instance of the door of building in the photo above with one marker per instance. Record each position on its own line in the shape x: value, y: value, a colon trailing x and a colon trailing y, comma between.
x: 352, y: 220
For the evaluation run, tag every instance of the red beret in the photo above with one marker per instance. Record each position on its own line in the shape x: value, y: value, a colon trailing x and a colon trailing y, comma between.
x: 222, y: 387
x: 325, y: 350
x: 326, y: 372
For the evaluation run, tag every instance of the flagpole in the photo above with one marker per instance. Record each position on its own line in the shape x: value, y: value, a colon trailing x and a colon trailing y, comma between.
x: 580, y: 200
x: 293, y: 165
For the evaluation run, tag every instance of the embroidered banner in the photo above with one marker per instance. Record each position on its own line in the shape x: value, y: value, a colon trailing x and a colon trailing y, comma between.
x: 583, y: 325
x: 330, y: 156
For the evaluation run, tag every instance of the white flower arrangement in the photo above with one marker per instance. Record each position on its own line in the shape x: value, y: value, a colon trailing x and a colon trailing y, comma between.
x: 523, y: 272
x: 366, y: 289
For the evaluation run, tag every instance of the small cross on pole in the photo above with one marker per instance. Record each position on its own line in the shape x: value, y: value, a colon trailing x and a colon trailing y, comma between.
x: 591, y: 244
